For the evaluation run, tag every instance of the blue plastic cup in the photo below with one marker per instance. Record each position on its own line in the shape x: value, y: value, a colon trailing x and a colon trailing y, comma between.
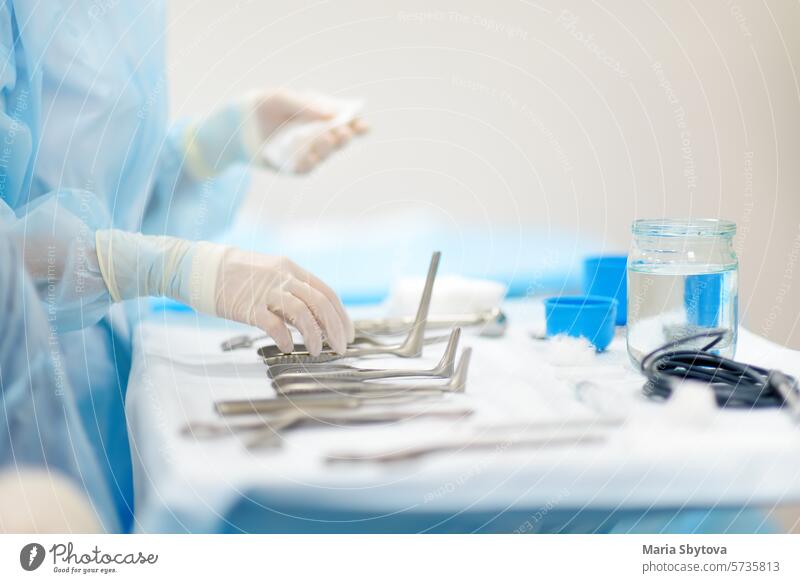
x: 607, y: 275
x: 590, y: 317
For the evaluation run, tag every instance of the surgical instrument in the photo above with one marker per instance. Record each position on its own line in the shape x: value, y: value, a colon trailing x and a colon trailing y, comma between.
x: 307, y: 367
x: 411, y: 347
x: 456, y: 384
x: 317, y: 401
x: 575, y: 423
x: 267, y: 434
x: 494, y: 323
x: 361, y: 340
x: 443, y: 369
x: 268, y: 427
x: 324, y: 414
x: 499, y: 442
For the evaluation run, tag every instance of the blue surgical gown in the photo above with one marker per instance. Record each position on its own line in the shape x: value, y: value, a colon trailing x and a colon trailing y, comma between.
x: 39, y: 421
x: 85, y: 143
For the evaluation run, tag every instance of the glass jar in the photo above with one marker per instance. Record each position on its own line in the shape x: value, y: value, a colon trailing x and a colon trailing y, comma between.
x: 683, y: 278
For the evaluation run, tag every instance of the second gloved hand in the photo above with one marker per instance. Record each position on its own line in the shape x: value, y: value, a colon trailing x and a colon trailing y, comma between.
x: 284, y: 130
x: 295, y: 132
x: 261, y: 290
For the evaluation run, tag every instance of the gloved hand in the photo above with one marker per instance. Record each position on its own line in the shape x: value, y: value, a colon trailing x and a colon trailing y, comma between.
x: 284, y: 130
x: 330, y: 124
x: 261, y: 290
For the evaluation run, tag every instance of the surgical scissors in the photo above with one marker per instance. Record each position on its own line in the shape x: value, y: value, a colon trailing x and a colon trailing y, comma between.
x: 296, y: 373
x: 411, y: 347
x: 456, y: 384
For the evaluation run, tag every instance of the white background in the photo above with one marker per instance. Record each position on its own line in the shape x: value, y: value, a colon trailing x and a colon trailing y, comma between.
x: 493, y: 112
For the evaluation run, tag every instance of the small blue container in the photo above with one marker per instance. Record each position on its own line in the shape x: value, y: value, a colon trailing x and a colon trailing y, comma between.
x: 607, y: 275
x: 590, y: 317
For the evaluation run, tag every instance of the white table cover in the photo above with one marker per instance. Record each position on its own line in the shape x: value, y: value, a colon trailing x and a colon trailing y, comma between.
x: 658, y: 459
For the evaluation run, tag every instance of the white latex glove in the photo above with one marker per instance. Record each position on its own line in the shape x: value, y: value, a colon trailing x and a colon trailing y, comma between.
x: 260, y: 290
x: 284, y: 130
x: 297, y: 131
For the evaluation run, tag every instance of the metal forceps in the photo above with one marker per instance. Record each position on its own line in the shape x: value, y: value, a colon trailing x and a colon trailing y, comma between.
x: 362, y: 339
x: 279, y: 406
x: 411, y: 347
x: 288, y: 374
x: 456, y: 384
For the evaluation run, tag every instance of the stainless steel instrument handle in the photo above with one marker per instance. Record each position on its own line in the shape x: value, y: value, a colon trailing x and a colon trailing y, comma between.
x: 393, y: 326
x: 269, y: 435
x: 477, y: 443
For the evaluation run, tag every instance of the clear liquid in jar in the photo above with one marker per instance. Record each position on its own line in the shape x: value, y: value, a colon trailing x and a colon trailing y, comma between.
x: 666, y: 303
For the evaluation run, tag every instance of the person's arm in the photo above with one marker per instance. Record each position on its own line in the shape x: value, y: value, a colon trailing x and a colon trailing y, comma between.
x: 55, y: 235
x: 243, y: 131
x: 80, y: 266
x: 79, y: 270
x: 40, y: 430
x: 202, y: 172
x: 261, y: 290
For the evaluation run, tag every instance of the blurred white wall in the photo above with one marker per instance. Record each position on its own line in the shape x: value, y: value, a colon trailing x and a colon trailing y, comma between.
x: 566, y: 115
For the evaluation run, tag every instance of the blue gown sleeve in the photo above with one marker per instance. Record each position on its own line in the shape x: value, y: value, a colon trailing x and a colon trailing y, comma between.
x: 39, y: 422
x: 56, y: 237
x: 183, y: 205
x: 55, y: 232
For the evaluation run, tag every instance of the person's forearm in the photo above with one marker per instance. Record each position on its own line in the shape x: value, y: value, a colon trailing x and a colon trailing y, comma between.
x: 260, y: 290
x: 134, y: 265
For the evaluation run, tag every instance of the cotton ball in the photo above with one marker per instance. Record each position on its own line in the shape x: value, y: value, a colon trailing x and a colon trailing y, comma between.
x: 692, y: 404
x: 563, y: 350
x: 649, y: 333
x: 452, y: 294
